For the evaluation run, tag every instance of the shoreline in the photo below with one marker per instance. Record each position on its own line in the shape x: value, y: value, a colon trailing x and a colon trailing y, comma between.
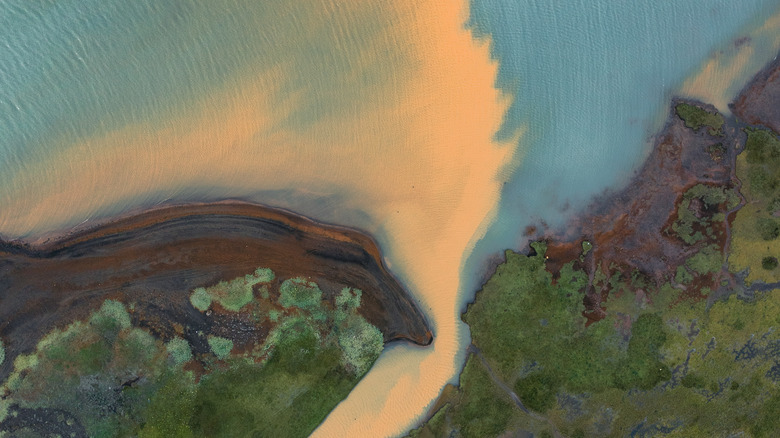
x: 157, y: 256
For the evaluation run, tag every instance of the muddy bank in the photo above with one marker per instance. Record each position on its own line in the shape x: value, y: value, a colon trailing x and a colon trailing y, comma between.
x: 153, y: 260
x: 637, y: 229
x: 757, y: 103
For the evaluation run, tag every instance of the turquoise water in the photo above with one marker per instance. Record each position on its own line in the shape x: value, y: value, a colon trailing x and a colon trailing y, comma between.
x: 74, y: 69
x: 329, y: 88
x: 590, y: 80
x: 591, y: 83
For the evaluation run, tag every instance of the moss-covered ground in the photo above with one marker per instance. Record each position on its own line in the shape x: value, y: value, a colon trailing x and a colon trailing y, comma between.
x: 756, y: 232
x: 116, y: 379
x: 648, y: 367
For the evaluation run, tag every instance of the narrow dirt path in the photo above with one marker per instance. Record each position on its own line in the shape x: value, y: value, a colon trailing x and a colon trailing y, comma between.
x: 473, y: 349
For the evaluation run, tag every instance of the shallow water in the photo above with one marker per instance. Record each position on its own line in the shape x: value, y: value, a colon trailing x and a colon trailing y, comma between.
x: 382, y: 117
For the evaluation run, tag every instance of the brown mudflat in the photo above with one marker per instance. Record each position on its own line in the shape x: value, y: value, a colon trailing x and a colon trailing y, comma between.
x: 155, y: 259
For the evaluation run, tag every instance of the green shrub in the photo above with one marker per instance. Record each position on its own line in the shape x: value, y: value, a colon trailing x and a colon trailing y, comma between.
x: 696, y: 117
x: 110, y: 319
x: 179, y: 350
x: 483, y: 410
x: 200, y: 299
x: 362, y: 343
x: 221, y: 347
x: 768, y: 229
x: 537, y: 391
x: 300, y: 293
x: 171, y: 407
x: 642, y: 367
x: 707, y: 260
x: 761, y: 182
x: 693, y: 380
x: 768, y: 263
x: 774, y: 206
x: 586, y: 247
x: 349, y: 299
x: 232, y: 295
x: 762, y: 147
x: 683, y: 276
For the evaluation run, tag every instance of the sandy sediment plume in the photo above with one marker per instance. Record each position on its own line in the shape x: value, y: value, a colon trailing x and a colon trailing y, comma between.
x: 156, y: 258
x: 407, y: 154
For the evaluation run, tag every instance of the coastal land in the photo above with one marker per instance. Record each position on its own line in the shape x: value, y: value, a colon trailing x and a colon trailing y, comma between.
x: 191, y: 320
x: 652, y: 313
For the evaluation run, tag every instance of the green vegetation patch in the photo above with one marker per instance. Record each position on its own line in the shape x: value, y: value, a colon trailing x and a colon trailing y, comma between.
x: 586, y: 247
x: 478, y: 408
x: 361, y: 343
x: 232, y: 295
x: 520, y: 305
x: 687, y: 369
x: 179, y: 350
x: 708, y: 260
x: 756, y: 229
x: 221, y: 347
x: 696, y: 117
x: 768, y: 263
x: 762, y: 153
x: 700, y: 207
x: 116, y: 379
x: 300, y: 293
x: 683, y: 276
x: 200, y: 299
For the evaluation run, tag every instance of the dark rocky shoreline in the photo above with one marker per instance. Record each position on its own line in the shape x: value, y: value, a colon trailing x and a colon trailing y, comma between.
x: 153, y: 260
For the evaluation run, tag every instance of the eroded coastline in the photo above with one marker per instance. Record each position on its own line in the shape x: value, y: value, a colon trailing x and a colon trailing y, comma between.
x: 210, y: 289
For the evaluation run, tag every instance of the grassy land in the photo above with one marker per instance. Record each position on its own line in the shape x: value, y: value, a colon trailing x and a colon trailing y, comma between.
x: 665, y: 360
x: 696, y: 117
x: 647, y: 367
x: 756, y: 245
x: 116, y: 379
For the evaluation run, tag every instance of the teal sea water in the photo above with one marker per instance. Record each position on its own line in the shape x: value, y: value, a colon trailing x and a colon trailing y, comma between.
x: 591, y: 83
x: 123, y: 84
x: 74, y: 69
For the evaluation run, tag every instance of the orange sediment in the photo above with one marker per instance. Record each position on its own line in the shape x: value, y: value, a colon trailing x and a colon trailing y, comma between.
x: 418, y: 160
